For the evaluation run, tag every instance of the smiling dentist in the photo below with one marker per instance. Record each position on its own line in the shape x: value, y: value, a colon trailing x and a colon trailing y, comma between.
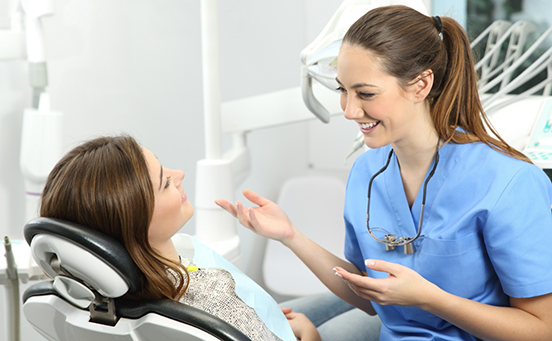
x: 450, y: 244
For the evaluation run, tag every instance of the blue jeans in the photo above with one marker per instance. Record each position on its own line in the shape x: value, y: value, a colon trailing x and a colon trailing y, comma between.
x: 335, y: 319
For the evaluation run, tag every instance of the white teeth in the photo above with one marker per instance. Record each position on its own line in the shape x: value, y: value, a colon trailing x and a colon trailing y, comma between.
x: 367, y: 125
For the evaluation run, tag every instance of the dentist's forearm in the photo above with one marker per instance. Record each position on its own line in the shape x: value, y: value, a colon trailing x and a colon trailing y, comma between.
x: 321, y: 262
x: 531, y: 319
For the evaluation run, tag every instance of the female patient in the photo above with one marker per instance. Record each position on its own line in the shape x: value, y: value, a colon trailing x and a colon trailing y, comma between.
x: 114, y: 185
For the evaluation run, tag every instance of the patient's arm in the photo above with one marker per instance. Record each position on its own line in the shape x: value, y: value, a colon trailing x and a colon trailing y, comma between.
x: 302, y: 327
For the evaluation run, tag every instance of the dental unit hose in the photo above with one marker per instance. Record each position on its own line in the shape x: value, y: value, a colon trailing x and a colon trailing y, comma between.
x: 11, y: 270
x: 357, y: 144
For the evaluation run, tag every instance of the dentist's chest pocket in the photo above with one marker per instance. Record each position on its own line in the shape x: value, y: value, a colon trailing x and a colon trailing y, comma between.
x: 458, y: 266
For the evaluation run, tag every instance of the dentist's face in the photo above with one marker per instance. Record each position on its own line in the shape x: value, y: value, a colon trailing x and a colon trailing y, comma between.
x: 172, y: 209
x: 373, y: 98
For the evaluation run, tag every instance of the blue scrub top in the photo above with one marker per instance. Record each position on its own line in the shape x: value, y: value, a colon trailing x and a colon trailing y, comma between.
x: 485, y: 234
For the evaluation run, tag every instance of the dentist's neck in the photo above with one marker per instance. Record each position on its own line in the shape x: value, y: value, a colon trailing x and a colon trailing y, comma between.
x: 416, y: 152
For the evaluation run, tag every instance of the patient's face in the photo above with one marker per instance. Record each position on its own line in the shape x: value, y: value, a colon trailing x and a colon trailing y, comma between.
x: 172, y: 208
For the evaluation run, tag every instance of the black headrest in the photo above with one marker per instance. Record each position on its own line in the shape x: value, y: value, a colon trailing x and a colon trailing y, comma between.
x: 104, y: 247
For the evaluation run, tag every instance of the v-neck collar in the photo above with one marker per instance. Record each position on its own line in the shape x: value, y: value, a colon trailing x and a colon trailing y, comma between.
x: 408, y: 217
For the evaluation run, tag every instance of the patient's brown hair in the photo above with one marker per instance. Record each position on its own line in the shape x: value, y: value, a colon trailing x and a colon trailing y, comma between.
x: 105, y: 184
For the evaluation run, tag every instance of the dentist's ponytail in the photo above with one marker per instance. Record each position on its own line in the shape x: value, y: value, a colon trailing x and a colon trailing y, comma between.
x: 408, y: 43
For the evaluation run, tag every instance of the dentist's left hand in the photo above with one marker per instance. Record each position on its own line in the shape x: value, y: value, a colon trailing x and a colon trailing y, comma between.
x: 267, y: 220
x: 403, y: 286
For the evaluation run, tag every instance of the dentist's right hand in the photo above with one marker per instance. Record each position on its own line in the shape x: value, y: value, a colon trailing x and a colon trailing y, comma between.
x: 267, y: 220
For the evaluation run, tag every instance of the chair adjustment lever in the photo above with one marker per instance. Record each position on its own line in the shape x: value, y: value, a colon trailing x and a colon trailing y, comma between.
x: 99, y: 315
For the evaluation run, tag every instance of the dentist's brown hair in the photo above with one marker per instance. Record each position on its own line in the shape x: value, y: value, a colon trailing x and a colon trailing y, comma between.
x: 407, y: 43
x: 105, y: 184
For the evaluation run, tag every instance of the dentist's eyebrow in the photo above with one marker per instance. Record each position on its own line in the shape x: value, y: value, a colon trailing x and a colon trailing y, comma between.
x: 161, y: 178
x: 358, y: 85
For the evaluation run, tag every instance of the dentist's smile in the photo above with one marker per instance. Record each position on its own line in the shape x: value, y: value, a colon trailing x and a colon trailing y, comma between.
x: 368, y: 127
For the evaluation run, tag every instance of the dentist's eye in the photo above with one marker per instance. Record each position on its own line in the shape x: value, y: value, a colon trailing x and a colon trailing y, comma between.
x: 169, y: 180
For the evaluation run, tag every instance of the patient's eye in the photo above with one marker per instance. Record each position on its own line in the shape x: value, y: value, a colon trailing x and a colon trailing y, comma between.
x: 365, y: 95
x: 169, y: 180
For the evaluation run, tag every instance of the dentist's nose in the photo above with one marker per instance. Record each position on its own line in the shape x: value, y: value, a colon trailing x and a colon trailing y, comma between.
x: 351, y: 107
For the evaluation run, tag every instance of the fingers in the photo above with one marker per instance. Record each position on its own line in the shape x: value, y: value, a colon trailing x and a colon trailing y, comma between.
x: 378, y: 265
x: 250, y: 195
x: 253, y: 218
x: 350, y: 277
x: 228, y: 207
x: 362, y: 286
x: 288, y: 313
x: 243, y: 215
x: 398, y: 285
x: 292, y: 315
x: 255, y: 198
x: 238, y: 211
x: 286, y: 310
x: 383, y: 266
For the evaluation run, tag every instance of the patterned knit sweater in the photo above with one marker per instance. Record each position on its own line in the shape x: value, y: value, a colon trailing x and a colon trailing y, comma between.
x: 213, y: 290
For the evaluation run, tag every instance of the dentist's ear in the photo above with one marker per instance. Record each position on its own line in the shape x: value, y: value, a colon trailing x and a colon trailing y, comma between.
x: 423, y: 85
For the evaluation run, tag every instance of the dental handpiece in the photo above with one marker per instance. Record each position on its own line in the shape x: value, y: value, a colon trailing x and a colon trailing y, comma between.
x: 10, y: 259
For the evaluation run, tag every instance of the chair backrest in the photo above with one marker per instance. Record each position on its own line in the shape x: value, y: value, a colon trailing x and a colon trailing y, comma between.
x: 90, y: 272
x: 315, y: 205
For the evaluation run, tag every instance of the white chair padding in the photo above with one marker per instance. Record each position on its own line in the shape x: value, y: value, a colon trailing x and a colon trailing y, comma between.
x: 79, y: 262
x: 73, y: 291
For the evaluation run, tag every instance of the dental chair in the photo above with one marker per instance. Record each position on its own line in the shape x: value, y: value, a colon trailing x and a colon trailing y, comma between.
x: 91, y: 272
